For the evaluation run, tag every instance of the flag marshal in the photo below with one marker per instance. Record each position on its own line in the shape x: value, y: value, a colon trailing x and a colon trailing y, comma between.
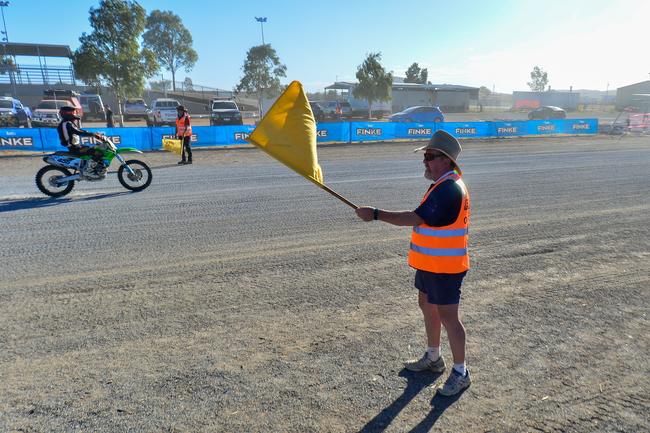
x: 287, y: 132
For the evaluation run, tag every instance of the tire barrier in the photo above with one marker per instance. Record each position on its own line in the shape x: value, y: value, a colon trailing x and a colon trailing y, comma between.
x: 145, y: 138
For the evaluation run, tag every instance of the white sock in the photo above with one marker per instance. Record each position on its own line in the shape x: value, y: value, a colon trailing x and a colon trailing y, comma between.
x: 461, y: 368
x: 433, y: 353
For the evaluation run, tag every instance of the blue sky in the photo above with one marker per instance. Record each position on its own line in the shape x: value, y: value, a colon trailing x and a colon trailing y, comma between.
x: 580, y: 43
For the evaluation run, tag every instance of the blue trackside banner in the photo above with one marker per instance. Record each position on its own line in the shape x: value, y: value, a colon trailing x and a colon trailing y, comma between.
x: 580, y: 126
x: 372, y: 131
x: 147, y: 138
x: 205, y: 136
x: 545, y: 127
x: 21, y: 139
x: 140, y: 138
x: 50, y: 139
x: 415, y: 131
x: 466, y: 129
x: 333, y: 132
x: 509, y: 129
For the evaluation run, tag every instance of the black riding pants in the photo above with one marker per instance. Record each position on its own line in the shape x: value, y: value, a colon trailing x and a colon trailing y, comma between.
x: 186, y: 147
x: 97, y: 154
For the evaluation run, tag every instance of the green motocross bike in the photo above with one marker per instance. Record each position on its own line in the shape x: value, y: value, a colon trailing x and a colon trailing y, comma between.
x: 64, y: 169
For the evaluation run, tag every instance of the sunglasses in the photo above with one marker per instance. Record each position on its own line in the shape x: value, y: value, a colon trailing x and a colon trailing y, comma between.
x: 432, y: 156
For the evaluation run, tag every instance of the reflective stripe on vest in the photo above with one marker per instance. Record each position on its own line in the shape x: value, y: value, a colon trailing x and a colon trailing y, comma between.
x: 442, y: 250
x: 181, y: 130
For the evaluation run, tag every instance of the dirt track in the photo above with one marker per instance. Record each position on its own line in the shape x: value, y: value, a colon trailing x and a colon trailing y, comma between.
x: 234, y: 296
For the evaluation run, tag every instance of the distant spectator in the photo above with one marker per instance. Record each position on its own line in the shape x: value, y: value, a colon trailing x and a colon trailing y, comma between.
x: 184, y: 133
x: 109, y: 117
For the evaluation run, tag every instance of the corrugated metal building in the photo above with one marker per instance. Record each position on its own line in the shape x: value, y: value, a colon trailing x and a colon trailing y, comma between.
x: 630, y: 96
x: 528, y: 100
x: 449, y: 97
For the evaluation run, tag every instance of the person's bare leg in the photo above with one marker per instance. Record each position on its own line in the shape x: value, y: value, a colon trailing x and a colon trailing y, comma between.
x: 450, y: 319
x: 432, y: 323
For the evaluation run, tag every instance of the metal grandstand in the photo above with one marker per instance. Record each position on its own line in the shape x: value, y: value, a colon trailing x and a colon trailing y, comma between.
x: 12, y: 72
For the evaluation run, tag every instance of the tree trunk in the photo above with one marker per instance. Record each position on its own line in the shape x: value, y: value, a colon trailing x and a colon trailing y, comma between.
x: 173, y: 79
x: 259, y: 103
x: 120, y: 119
x: 369, y: 109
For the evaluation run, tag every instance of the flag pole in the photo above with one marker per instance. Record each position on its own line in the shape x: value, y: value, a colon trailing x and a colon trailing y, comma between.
x: 334, y: 193
x: 339, y: 196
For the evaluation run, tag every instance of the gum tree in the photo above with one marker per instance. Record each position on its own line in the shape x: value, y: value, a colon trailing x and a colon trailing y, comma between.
x: 374, y: 82
x: 110, y: 55
x: 170, y: 41
x: 539, y: 79
x: 262, y: 72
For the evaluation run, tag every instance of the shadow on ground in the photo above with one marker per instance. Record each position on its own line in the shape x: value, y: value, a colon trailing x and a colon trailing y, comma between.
x: 416, y: 382
x: 33, y: 203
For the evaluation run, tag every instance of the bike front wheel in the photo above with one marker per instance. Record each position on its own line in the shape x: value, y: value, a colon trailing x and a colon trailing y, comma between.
x: 139, y: 179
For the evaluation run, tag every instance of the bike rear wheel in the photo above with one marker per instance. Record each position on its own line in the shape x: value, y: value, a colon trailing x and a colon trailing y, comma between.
x: 46, y: 179
x: 139, y: 180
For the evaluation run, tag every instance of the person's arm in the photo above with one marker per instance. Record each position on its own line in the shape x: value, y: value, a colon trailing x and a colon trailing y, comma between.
x: 72, y: 129
x: 396, y: 218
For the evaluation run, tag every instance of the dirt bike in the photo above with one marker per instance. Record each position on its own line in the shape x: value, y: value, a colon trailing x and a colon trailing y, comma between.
x: 64, y: 169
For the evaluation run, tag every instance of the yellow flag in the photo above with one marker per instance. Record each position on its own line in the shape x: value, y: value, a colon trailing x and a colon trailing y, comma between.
x: 173, y: 145
x: 288, y: 133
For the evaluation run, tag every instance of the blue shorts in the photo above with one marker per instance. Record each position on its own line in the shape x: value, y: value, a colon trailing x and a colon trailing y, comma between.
x: 441, y: 289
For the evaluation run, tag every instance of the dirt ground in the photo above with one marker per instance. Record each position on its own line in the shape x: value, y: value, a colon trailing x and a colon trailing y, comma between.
x: 234, y: 296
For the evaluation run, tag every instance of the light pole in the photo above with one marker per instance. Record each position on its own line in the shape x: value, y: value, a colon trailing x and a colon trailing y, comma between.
x: 3, y: 5
x: 261, y: 20
x: 5, y: 41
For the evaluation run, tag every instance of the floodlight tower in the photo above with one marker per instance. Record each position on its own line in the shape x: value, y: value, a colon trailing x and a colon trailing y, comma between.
x: 261, y: 20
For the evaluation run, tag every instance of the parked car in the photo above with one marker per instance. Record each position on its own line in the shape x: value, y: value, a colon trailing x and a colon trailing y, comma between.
x: 639, y: 122
x: 13, y: 113
x: 546, y: 112
x: 46, y: 112
x: 419, y: 114
x: 337, y: 109
x: 93, y: 107
x: 135, y: 108
x: 319, y: 115
x: 69, y: 96
x: 163, y: 112
x: 225, y: 112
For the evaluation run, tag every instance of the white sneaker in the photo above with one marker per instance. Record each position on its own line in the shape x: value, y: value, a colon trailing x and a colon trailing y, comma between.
x: 455, y: 383
x: 425, y: 363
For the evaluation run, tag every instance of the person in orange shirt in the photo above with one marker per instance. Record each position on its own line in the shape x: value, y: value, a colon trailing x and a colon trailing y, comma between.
x: 184, y: 133
x: 438, y: 253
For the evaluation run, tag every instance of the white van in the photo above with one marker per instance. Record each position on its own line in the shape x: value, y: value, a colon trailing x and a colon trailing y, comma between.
x: 93, y: 107
x: 163, y: 112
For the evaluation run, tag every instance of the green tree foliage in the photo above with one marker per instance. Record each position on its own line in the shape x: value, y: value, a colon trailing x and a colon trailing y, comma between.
x: 262, y: 72
x: 160, y: 86
x: 170, y: 41
x: 111, y: 54
x: 484, y: 92
x: 374, y: 82
x: 539, y: 79
x: 416, y: 75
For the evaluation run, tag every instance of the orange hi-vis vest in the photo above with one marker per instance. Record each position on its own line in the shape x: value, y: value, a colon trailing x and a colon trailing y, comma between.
x: 183, y: 130
x: 442, y: 250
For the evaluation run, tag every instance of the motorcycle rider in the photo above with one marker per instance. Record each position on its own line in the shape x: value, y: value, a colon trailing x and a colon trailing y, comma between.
x: 69, y: 133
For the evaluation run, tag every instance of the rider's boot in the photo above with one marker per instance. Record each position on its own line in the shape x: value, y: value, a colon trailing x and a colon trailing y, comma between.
x: 89, y: 170
x: 100, y: 168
